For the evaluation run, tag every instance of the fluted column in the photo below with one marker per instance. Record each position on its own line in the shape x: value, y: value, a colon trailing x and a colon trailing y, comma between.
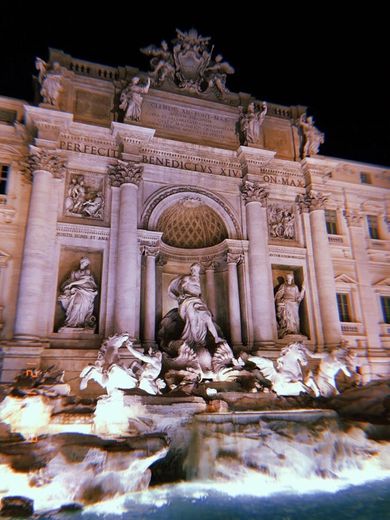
x: 262, y: 298
x: 126, y: 176
x: 326, y: 288
x: 149, y: 319
x: 210, y: 285
x: 44, y: 166
x: 234, y: 299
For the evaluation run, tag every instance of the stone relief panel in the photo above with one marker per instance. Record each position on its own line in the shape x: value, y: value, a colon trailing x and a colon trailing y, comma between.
x: 90, y: 107
x: 281, y: 221
x: 78, y: 292
x: 84, y: 196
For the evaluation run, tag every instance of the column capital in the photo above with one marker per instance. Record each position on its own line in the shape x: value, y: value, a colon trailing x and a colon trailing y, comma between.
x: 148, y: 250
x: 353, y: 217
x: 311, y: 201
x: 209, y: 265
x: 253, y: 191
x: 124, y: 172
x: 44, y: 159
x: 234, y: 258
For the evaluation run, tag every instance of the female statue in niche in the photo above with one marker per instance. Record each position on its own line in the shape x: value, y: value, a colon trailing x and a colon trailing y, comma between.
x: 77, y: 297
x: 287, y: 299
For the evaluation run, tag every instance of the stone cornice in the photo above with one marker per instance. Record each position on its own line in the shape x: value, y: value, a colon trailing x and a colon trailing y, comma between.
x: 253, y: 191
x: 131, y: 134
x: 125, y: 173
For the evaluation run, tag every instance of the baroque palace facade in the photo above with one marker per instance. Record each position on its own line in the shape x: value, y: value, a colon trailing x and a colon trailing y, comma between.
x: 120, y: 180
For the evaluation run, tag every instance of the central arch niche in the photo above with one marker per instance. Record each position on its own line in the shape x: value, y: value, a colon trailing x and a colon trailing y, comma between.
x: 191, y: 224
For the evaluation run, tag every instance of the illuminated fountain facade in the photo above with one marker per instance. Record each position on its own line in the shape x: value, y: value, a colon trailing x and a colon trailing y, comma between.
x: 162, y: 234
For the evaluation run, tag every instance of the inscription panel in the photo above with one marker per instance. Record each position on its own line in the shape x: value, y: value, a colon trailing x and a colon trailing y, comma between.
x: 196, y: 124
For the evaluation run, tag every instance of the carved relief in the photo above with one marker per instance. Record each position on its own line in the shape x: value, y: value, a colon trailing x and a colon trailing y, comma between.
x: 84, y: 197
x: 125, y: 172
x: 281, y: 222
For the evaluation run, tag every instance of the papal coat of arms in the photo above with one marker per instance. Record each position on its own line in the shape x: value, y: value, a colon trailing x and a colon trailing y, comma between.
x: 189, y: 65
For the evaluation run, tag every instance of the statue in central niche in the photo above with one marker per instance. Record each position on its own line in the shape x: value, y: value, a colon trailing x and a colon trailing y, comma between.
x: 192, y: 309
x: 192, y: 322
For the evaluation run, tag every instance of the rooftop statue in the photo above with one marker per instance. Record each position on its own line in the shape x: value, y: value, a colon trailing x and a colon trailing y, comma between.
x: 250, y: 122
x: 311, y: 137
x: 131, y: 98
x: 51, y: 80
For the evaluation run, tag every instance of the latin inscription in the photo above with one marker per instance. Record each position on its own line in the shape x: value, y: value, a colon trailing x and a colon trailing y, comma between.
x: 189, y: 122
x: 286, y: 181
x: 192, y: 166
x: 89, y: 149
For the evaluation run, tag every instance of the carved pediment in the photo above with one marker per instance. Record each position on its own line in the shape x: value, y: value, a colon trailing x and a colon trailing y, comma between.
x: 345, y: 279
x: 383, y: 283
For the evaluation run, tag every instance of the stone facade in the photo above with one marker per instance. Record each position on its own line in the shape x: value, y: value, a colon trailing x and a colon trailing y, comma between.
x: 81, y: 180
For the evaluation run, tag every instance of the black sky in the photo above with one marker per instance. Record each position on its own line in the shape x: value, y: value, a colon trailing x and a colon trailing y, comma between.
x: 336, y: 65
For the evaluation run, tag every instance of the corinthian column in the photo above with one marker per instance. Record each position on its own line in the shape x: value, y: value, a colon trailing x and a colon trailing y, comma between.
x: 150, y: 295
x: 234, y: 299
x: 45, y: 166
x: 326, y: 288
x: 260, y: 275
x: 126, y: 176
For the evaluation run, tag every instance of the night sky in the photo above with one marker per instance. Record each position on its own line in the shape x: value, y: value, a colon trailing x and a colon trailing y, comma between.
x: 335, y: 65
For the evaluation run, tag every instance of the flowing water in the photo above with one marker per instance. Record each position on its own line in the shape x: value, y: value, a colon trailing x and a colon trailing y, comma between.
x: 282, y: 465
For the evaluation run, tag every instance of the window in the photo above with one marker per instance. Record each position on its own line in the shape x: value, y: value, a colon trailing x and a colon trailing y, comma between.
x: 365, y: 178
x: 3, y: 179
x: 331, y: 221
x: 385, y: 301
x: 343, y: 306
x: 372, y: 221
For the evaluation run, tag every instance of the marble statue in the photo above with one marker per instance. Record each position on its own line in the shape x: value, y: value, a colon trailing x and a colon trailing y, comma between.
x: 77, y: 297
x: 147, y: 373
x: 192, y: 308
x: 287, y: 376
x: 110, y: 371
x: 287, y: 300
x: 331, y: 363
x: 161, y: 63
x: 50, y: 79
x: 131, y: 98
x: 312, y: 138
x: 216, y: 74
x: 251, y: 122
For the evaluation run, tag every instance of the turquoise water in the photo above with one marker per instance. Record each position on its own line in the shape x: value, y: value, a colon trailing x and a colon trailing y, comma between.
x: 370, y: 501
